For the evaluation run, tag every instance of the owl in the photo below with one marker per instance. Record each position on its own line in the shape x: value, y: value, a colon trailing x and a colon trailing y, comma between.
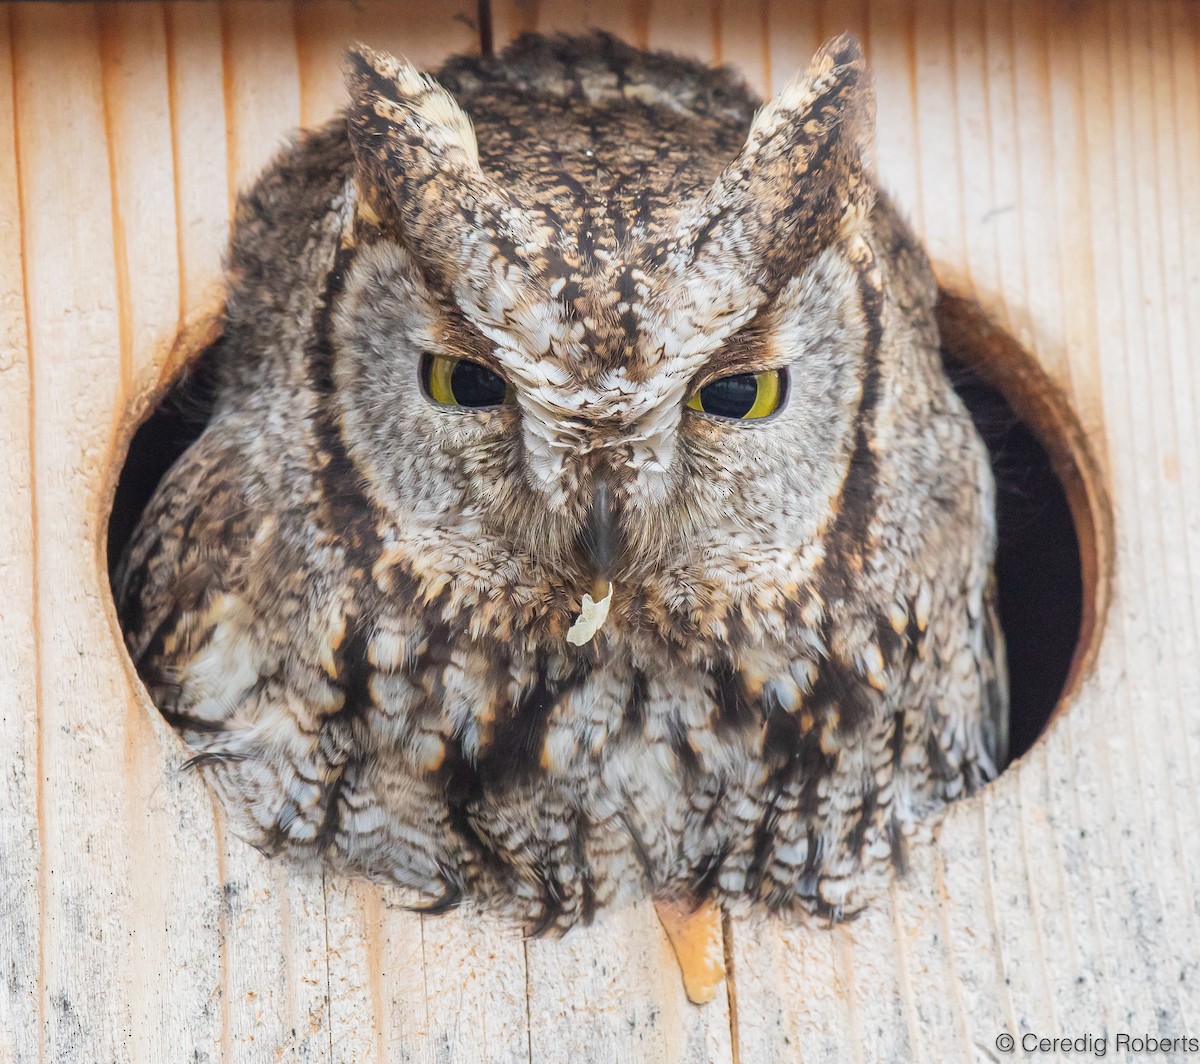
x: 584, y: 513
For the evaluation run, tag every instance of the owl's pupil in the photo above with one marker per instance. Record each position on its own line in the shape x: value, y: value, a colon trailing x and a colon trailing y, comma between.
x: 730, y: 396
x: 476, y: 385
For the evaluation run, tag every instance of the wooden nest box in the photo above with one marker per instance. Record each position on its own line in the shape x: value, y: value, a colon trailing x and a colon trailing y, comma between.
x: 1049, y: 155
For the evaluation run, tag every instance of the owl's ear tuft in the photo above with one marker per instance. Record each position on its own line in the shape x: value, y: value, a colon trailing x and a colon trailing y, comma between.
x: 815, y: 142
x: 418, y: 176
x: 418, y: 168
x: 832, y: 101
x: 393, y: 106
x: 802, y: 180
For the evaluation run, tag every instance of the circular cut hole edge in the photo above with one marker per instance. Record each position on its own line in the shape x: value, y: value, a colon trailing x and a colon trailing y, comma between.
x: 969, y: 337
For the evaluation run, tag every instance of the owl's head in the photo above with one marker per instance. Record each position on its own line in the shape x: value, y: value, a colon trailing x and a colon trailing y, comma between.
x: 591, y: 335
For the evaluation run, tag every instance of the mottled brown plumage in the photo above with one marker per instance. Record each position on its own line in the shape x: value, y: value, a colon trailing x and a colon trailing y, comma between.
x: 352, y: 600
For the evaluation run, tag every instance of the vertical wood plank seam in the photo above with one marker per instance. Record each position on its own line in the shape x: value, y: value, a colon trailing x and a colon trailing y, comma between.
x: 1177, y: 388
x: 640, y: 16
x: 1007, y: 315
x: 108, y: 67
x: 1174, y: 389
x: 220, y: 830
x: 903, y: 975
x: 1093, y: 906
x: 944, y: 904
x: 280, y: 882
x: 1191, y: 327
x: 173, y: 116
x: 1094, y: 428
x: 484, y: 28
x: 1145, y: 521
x: 425, y: 977
x: 735, y: 1049
x: 954, y: 123
x: 1177, y: 392
x: 34, y: 559
x: 1069, y: 736
x: 107, y: 42
x: 369, y: 903
x: 1134, y: 541
x: 843, y: 958
x: 231, y: 161
x: 993, y: 911
x: 714, y: 27
x: 764, y: 32
x: 1136, y: 26
x: 528, y: 992
x: 1035, y: 904
x: 914, y: 91
x: 1130, y: 389
x: 963, y: 198
x: 1022, y: 280
x: 1065, y: 369
x: 328, y: 951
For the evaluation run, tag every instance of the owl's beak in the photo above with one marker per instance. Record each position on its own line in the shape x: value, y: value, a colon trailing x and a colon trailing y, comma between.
x: 602, y: 539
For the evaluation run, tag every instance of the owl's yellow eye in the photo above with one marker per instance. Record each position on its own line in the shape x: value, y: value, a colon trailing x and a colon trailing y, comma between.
x: 459, y: 382
x: 744, y: 396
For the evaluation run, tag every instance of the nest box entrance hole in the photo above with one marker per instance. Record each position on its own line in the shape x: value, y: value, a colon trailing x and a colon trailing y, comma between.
x: 1054, y: 530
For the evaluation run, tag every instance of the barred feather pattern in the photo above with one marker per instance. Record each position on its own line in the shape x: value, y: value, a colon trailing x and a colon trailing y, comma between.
x: 353, y: 604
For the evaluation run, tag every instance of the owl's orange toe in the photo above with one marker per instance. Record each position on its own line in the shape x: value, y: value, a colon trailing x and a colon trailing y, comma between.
x: 696, y: 937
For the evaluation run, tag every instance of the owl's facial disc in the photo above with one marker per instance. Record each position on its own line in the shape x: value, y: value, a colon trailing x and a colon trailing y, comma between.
x: 681, y: 402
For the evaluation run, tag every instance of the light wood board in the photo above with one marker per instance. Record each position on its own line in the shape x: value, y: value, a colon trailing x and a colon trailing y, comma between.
x: 1049, y: 153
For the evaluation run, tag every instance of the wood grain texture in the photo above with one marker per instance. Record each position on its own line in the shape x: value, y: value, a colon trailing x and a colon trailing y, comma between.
x: 1049, y: 154
x: 20, y: 694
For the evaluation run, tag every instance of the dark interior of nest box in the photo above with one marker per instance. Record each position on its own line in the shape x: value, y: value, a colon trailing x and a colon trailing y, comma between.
x: 1039, y: 576
x: 1048, y: 603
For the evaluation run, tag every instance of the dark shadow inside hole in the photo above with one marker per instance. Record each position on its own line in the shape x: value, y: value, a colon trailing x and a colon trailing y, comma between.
x: 1038, y: 568
x: 171, y: 429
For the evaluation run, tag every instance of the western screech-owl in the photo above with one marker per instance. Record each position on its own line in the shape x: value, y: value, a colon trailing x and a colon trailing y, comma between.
x: 580, y: 319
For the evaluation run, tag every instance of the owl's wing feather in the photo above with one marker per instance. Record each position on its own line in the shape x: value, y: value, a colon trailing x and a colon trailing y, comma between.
x: 182, y: 556
x: 190, y: 596
x: 994, y: 708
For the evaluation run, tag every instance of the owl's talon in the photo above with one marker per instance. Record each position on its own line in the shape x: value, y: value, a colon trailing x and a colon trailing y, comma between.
x: 450, y: 898
x: 696, y: 936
